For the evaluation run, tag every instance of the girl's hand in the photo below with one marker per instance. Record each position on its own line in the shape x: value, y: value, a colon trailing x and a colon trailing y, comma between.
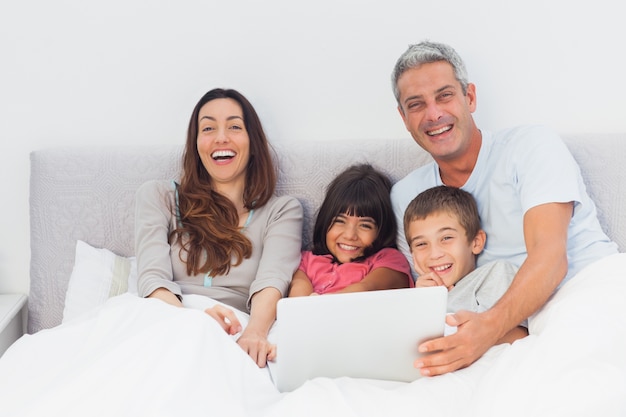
x: 225, y: 317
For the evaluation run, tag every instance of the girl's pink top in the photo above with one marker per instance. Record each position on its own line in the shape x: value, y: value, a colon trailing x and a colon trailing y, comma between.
x: 327, y: 276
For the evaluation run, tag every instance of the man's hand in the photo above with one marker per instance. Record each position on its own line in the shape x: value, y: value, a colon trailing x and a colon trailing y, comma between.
x: 476, y: 333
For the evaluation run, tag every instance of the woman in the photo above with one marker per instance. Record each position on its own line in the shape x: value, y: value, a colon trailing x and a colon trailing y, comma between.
x: 221, y: 232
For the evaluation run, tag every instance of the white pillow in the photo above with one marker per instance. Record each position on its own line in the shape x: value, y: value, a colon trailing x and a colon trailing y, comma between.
x: 98, y: 274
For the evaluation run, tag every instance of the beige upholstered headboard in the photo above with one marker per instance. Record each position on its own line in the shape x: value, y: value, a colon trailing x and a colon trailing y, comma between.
x: 87, y: 193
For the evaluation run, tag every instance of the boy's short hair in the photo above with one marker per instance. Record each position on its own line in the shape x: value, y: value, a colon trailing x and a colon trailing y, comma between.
x: 444, y: 199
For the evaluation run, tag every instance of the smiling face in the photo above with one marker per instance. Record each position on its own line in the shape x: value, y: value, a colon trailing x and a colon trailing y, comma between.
x: 435, y: 111
x: 439, y: 244
x: 349, y: 236
x: 223, y: 143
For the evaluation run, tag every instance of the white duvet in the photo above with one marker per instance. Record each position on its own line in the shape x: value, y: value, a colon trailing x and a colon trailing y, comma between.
x: 137, y: 357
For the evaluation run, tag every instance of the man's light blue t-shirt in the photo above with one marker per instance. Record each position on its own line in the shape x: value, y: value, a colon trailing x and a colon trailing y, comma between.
x: 518, y: 169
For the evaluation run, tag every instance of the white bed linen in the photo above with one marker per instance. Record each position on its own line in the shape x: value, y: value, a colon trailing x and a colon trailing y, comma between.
x: 141, y: 357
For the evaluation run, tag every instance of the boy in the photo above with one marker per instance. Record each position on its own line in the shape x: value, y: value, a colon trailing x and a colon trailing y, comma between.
x: 443, y: 231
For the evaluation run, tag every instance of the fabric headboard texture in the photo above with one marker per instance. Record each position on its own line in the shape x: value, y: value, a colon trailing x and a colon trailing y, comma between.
x: 87, y: 193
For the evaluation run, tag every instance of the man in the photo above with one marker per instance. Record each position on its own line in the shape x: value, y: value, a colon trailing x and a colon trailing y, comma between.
x: 529, y: 191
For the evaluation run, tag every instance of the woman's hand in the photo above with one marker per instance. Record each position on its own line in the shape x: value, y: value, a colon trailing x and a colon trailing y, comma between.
x: 257, y: 346
x: 262, y: 315
x: 253, y: 340
x: 253, y: 343
x: 225, y: 318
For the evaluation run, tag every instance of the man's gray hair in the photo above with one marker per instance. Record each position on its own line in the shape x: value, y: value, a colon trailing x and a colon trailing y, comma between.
x: 425, y: 53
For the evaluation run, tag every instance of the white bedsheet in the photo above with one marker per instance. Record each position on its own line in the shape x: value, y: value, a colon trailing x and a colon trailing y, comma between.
x: 137, y: 357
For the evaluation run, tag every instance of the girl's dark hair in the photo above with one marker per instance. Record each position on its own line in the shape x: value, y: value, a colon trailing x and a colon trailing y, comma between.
x: 209, y: 224
x: 361, y: 191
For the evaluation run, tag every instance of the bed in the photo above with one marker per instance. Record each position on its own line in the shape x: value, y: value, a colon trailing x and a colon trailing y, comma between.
x: 82, y: 204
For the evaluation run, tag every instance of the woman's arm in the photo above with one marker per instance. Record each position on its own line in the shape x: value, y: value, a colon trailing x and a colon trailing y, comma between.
x: 279, y: 243
x: 300, y: 285
x: 153, y: 218
x: 167, y: 296
x: 253, y: 340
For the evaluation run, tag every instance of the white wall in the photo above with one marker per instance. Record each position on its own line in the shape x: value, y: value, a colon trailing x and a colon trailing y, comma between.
x: 129, y: 72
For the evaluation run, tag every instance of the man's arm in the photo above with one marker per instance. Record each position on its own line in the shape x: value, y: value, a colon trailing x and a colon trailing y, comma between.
x: 545, y: 234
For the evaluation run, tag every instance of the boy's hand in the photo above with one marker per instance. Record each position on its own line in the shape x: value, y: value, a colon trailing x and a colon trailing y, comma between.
x: 431, y: 279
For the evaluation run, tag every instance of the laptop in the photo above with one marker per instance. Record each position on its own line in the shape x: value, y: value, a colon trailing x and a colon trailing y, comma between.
x: 371, y: 334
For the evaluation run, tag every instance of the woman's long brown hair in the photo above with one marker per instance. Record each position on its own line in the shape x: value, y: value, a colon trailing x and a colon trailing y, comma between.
x: 208, y: 229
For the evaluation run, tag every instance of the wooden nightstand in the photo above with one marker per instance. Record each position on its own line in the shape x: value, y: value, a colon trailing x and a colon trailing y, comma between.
x: 12, y: 310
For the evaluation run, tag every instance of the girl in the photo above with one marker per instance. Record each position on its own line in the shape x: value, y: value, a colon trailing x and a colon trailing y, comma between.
x: 221, y: 232
x: 354, y: 246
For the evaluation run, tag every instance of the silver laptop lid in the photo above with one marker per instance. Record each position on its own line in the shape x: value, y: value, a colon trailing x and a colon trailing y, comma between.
x: 371, y: 334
